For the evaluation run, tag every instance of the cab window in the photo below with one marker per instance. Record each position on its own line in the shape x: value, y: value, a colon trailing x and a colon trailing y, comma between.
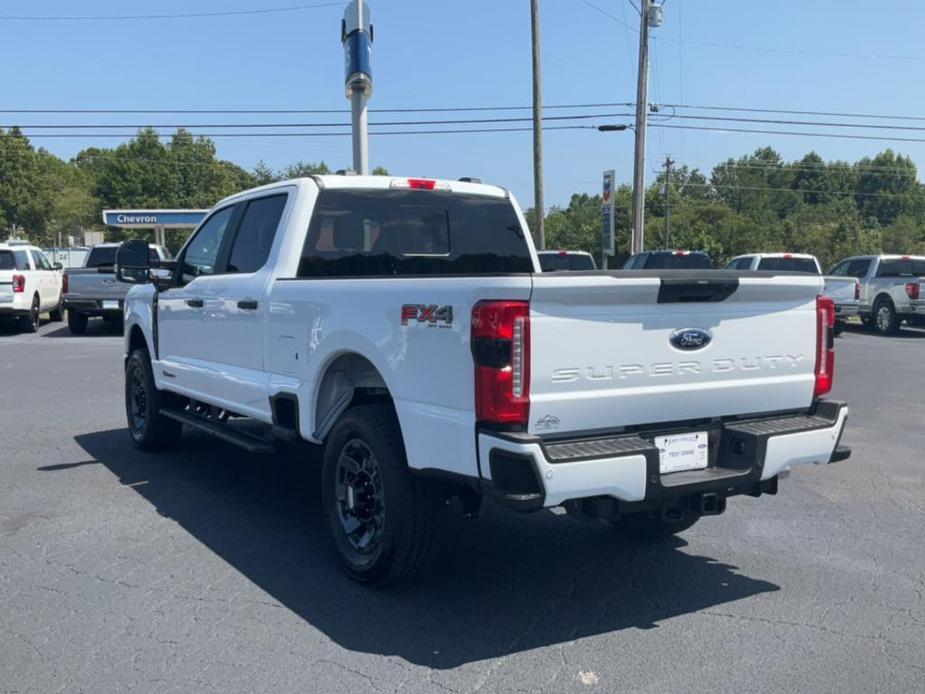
x: 201, y: 254
x: 255, y: 234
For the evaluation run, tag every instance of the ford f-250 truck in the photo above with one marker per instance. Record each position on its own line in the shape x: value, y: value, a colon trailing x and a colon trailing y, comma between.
x: 92, y: 290
x: 405, y: 325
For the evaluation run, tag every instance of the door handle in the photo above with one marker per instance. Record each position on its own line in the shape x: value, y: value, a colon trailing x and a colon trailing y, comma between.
x: 248, y: 304
x: 194, y: 303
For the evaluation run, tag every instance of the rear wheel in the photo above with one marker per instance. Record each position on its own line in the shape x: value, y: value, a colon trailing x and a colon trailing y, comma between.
x: 885, y: 319
x: 643, y: 527
x: 386, y: 523
x: 56, y: 314
x: 839, y: 327
x: 77, y: 322
x: 31, y: 321
x: 150, y: 430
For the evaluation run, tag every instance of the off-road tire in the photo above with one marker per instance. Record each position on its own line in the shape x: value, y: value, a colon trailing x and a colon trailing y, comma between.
x: 412, y: 508
x: 149, y: 429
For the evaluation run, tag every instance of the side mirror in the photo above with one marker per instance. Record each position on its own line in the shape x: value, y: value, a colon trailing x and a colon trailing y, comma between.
x: 57, y: 266
x: 133, y: 262
x: 163, y: 274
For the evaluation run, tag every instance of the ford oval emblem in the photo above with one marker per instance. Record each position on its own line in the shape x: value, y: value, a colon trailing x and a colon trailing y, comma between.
x: 690, y: 339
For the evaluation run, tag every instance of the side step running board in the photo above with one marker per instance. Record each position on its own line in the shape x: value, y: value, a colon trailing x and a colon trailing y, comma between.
x: 249, y: 442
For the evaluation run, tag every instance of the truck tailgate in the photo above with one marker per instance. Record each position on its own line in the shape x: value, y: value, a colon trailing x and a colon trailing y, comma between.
x: 88, y: 283
x: 840, y: 289
x: 610, y: 350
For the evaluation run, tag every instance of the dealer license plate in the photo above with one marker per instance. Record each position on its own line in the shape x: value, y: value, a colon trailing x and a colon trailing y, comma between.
x: 110, y: 304
x: 678, y: 452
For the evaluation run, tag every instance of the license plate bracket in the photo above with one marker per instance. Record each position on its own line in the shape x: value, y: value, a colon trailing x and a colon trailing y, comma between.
x: 679, y: 452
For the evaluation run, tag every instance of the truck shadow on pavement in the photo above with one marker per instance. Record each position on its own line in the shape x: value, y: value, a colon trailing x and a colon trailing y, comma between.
x: 506, y: 583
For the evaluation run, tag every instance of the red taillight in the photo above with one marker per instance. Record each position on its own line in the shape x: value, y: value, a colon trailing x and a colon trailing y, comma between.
x: 857, y: 291
x: 912, y: 290
x: 501, y: 351
x: 64, y: 284
x: 788, y: 256
x: 19, y: 283
x: 421, y: 183
x: 825, y: 344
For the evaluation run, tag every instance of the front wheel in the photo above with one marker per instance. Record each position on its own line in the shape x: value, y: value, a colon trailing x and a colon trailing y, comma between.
x: 645, y: 528
x: 386, y: 523
x: 56, y: 314
x: 839, y: 327
x: 150, y: 430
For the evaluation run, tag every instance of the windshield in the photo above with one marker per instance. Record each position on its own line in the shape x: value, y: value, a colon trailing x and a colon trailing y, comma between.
x: 550, y: 262
x: 789, y: 265
x: 673, y: 261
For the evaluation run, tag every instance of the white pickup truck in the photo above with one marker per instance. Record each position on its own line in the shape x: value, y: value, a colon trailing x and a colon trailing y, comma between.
x: 405, y: 325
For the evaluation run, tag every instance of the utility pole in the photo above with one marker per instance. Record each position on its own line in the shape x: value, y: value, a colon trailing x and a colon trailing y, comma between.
x: 668, y: 165
x: 649, y: 14
x: 537, y: 127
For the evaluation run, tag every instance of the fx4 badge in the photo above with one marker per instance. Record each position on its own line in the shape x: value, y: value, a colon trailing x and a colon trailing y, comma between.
x: 547, y: 422
x: 433, y: 315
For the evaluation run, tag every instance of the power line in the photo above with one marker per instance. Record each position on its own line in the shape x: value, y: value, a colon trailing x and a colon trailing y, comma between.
x: 760, y: 49
x: 794, y: 51
x: 308, y: 111
x: 787, y: 132
x: 183, y: 15
x: 317, y: 134
x: 792, y: 112
x: 460, y: 121
x: 604, y: 12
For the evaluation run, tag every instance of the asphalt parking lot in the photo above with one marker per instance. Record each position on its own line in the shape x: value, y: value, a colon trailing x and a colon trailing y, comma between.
x: 210, y: 569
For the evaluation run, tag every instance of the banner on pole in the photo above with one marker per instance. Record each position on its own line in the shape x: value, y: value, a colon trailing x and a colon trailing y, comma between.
x: 609, y: 203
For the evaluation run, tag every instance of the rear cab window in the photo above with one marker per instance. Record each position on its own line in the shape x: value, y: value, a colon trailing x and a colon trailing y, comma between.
x: 782, y: 264
x: 678, y: 261
x: 102, y: 256
x: 385, y: 233
x: 901, y: 267
x: 551, y: 262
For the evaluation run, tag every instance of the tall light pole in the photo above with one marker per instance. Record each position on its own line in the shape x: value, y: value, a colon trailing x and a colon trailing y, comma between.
x: 356, y: 34
x: 537, y: 126
x: 650, y: 14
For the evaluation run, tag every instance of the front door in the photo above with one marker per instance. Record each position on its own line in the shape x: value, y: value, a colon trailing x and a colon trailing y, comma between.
x: 236, y: 309
x: 182, y: 329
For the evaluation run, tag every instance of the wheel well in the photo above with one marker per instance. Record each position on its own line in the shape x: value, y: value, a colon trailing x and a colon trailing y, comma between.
x: 350, y: 379
x: 883, y: 297
x: 137, y: 340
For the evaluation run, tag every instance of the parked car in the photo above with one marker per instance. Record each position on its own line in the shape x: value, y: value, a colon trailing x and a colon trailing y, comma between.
x: 553, y: 261
x: 29, y: 285
x: 669, y: 260
x: 844, y: 291
x: 405, y: 325
x: 92, y: 290
x: 890, y: 291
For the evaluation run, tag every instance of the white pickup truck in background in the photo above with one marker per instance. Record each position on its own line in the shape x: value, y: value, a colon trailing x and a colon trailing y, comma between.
x: 844, y: 291
x: 405, y: 326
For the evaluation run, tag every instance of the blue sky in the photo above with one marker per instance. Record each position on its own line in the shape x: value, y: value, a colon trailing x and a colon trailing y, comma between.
x: 436, y: 53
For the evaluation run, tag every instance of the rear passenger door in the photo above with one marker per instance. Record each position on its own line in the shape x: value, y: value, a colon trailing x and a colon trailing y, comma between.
x: 45, y: 280
x: 235, y: 307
